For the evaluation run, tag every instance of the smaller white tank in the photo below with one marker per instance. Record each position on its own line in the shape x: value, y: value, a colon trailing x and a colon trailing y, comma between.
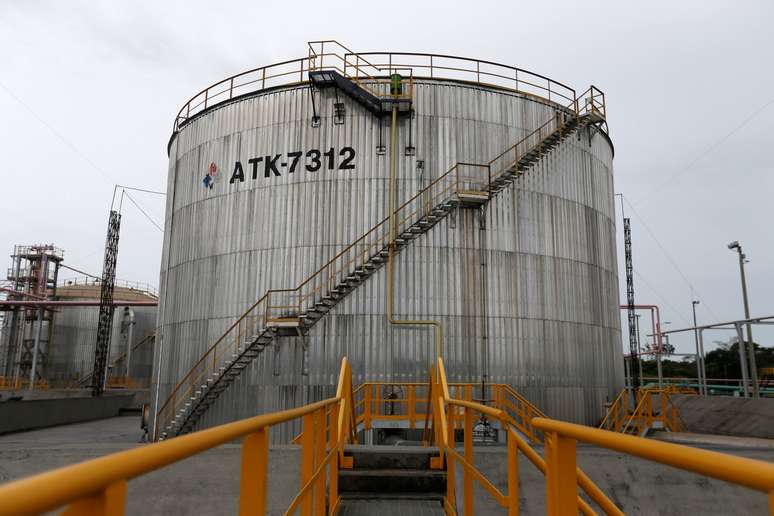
x: 71, y: 355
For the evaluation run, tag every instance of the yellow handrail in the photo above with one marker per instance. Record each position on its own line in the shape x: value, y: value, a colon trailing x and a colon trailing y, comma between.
x: 445, y: 441
x: 98, y: 486
x: 617, y: 412
x: 17, y: 383
x: 560, y: 459
x: 643, y: 414
x: 620, y: 418
x: 211, y: 357
x: 367, y: 404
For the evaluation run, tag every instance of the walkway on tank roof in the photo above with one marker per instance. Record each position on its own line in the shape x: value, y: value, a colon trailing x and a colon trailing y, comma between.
x: 373, y: 70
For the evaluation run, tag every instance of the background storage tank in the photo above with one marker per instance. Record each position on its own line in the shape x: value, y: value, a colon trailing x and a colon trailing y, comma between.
x: 266, y: 183
x: 71, y: 359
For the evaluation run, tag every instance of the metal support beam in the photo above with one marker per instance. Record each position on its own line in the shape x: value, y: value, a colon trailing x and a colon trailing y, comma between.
x: 106, y: 308
x: 703, y: 379
x: 743, y: 361
x: 9, y: 305
x: 36, y: 349
x: 730, y: 324
x: 633, y: 351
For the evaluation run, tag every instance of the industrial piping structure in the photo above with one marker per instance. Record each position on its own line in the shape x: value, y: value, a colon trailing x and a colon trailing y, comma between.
x: 48, y: 325
x: 33, y: 275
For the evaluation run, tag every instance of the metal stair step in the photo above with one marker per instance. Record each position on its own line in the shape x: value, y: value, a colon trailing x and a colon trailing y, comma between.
x: 404, y: 505
x: 391, y: 457
x: 392, y: 481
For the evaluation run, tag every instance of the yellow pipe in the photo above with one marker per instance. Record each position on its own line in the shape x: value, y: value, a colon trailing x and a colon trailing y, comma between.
x: 391, y: 245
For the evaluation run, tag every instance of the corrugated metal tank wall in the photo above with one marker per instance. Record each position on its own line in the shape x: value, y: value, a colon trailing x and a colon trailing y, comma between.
x: 552, y: 308
x: 71, y: 355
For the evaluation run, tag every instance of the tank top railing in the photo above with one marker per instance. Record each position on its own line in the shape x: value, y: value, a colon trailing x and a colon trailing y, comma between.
x: 477, y: 71
x: 284, y: 305
x: 366, y: 68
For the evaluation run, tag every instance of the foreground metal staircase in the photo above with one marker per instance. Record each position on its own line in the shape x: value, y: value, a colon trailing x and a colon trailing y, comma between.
x: 385, y: 478
x: 295, y: 311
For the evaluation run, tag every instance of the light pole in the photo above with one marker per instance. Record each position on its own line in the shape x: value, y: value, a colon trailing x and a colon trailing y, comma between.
x: 660, y: 347
x: 750, y: 346
x: 696, y: 340
x: 639, y: 348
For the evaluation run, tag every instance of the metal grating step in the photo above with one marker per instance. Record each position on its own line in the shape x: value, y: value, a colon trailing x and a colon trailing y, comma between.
x: 389, y: 507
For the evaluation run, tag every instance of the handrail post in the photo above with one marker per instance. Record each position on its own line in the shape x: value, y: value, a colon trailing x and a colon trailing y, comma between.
x: 561, y: 475
x: 467, y: 477
x: 367, y: 391
x: 412, y: 406
x: 513, y: 473
x: 450, y: 475
x: 252, y: 482
x: 319, y: 452
x: 307, y: 460
x: 333, y: 475
x: 110, y: 501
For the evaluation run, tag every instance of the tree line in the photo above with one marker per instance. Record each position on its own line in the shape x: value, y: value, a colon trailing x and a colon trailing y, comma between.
x: 722, y: 362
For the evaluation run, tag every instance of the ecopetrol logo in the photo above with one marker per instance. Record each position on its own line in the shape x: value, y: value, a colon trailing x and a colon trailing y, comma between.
x: 209, y: 179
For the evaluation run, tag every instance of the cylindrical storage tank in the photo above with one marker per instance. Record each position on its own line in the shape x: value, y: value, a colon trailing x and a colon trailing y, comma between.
x: 525, y: 288
x: 71, y: 355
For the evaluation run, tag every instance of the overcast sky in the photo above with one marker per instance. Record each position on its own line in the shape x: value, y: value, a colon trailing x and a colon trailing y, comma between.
x: 88, y: 92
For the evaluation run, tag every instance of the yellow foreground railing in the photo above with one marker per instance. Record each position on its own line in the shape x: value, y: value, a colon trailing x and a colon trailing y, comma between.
x: 409, y: 401
x: 98, y: 487
x: 449, y: 413
x: 562, y: 486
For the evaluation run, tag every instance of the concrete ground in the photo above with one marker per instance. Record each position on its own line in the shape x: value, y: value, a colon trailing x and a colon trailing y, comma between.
x: 209, y: 483
x: 727, y: 415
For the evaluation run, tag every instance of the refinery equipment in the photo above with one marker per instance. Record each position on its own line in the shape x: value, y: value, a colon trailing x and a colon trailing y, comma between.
x: 388, y: 207
x: 26, y: 331
x: 49, y: 325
